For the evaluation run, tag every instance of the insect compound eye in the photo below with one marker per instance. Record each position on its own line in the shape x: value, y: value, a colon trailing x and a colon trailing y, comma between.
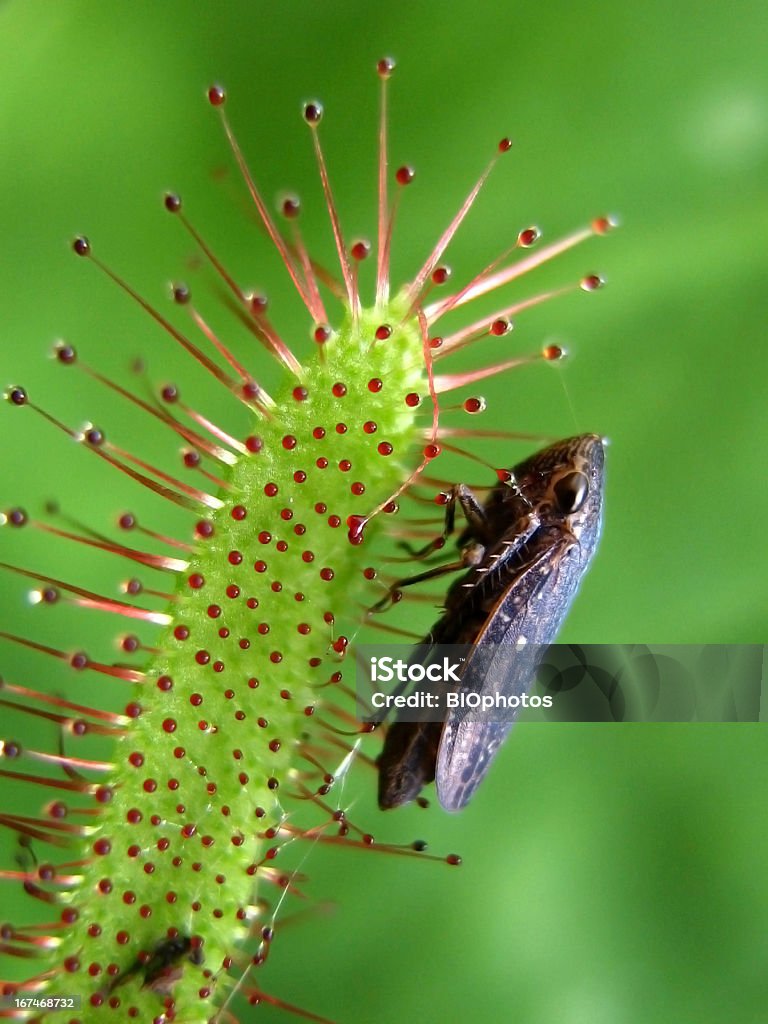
x: 571, y: 492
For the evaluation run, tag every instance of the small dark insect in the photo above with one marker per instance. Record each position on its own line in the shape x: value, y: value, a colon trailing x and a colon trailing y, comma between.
x: 163, y: 968
x: 528, y: 546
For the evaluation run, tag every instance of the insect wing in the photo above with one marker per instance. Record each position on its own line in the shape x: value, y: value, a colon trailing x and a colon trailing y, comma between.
x: 471, y: 738
x: 504, y: 661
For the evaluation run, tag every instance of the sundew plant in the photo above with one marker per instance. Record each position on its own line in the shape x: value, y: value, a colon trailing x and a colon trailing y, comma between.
x: 155, y: 836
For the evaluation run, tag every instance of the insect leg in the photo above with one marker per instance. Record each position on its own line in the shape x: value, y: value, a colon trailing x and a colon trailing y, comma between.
x: 472, y: 552
x: 393, y: 594
x: 474, y: 514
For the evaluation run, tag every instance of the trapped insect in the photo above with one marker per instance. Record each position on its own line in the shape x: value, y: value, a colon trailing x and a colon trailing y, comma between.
x: 162, y: 968
x: 528, y: 546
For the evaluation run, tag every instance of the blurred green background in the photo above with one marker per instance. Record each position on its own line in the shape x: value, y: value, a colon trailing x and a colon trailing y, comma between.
x: 613, y: 874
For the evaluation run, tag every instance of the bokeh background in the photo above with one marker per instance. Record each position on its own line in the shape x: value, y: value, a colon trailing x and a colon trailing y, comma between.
x: 611, y: 873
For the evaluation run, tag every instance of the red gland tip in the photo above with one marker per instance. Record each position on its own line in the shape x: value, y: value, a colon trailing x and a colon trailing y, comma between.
x: 553, y: 352
x: 82, y: 246
x: 217, y: 95
x: 602, y: 225
x: 66, y: 354
x: 313, y: 113
x: 505, y: 145
x: 17, y: 395
x: 172, y: 202
x: 474, y: 405
x: 360, y: 250
x: 591, y: 283
x: 385, y: 67
x: 14, y: 517
x: 181, y: 294
x: 404, y: 175
x: 528, y: 237
x: 290, y: 206
x: 356, y: 526
x: 93, y: 436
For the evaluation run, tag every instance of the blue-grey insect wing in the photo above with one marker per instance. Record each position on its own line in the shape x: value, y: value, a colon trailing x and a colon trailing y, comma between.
x: 473, y: 734
x: 540, y: 586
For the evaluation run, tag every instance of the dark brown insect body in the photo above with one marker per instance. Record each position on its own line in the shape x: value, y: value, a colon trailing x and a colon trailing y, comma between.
x: 164, y: 966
